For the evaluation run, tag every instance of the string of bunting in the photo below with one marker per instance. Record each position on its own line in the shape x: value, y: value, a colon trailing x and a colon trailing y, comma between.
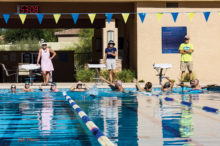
x: 108, y: 16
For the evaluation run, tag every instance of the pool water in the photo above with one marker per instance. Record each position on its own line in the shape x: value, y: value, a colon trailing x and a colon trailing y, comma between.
x: 131, y: 118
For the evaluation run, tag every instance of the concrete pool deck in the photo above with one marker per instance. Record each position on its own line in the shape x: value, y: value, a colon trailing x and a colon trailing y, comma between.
x: 70, y: 84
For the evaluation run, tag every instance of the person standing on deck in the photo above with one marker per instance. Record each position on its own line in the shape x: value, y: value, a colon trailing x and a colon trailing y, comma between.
x: 186, y: 49
x: 109, y: 59
x: 46, y: 62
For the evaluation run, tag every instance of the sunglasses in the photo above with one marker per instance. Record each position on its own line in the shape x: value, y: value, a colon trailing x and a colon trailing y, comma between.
x: 13, y: 87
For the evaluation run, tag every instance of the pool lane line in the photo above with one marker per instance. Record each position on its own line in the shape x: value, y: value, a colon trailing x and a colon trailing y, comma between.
x: 189, y: 104
x: 102, y: 139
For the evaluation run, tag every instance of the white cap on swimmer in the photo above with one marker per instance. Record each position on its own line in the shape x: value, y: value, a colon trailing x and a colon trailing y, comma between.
x: 119, y: 82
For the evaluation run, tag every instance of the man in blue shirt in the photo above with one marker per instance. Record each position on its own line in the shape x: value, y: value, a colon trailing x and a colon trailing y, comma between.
x: 110, y: 54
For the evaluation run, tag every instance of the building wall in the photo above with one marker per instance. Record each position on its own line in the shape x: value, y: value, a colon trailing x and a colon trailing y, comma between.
x: 204, y: 36
x: 73, y: 39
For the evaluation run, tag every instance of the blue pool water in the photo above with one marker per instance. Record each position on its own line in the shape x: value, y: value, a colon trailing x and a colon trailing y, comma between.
x: 131, y: 118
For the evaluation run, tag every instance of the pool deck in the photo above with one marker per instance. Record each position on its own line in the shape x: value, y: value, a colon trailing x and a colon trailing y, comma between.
x: 70, y: 84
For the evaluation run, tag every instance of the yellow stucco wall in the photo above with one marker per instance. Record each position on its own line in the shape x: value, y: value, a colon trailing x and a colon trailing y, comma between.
x: 204, y: 36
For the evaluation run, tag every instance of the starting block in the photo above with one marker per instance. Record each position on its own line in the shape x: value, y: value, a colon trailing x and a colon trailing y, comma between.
x: 96, y: 67
x: 160, y: 69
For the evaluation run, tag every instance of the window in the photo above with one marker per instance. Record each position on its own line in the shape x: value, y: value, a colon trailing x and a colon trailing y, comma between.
x: 172, y: 5
x: 172, y: 37
x: 110, y: 35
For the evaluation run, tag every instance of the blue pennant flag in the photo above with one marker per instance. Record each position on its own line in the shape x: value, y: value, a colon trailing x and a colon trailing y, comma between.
x: 142, y: 16
x: 75, y: 17
x: 175, y: 15
x: 108, y: 16
x: 40, y: 17
x: 206, y: 14
x: 6, y: 17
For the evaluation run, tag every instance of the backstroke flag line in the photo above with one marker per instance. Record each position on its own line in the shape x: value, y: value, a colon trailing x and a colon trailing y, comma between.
x: 125, y: 16
x: 142, y: 16
x: 6, y: 17
x: 75, y: 17
x: 92, y: 17
x: 56, y: 17
x: 22, y: 17
x: 191, y: 15
x: 159, y: 16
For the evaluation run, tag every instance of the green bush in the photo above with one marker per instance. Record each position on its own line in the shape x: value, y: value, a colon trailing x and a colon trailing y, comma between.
x: 187, y: 79
x: 85, y: 75
x: 126, y: 75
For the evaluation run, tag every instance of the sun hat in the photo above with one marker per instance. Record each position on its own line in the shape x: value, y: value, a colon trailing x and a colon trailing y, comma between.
x: 187, y: 37
x: 44, y: 44
x: 111, y: 42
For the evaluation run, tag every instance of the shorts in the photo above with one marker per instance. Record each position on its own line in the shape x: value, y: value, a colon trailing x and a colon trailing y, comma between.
x: 111, y: 64
x: 184, y: 65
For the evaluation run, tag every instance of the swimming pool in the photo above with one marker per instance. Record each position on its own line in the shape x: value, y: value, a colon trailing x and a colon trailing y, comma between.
x: 131, y: 118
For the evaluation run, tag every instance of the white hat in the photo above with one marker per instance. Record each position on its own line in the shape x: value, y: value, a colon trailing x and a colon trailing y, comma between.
x: 44, y: 44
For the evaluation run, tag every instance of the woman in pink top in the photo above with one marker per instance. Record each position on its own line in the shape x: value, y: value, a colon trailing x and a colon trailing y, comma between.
x: 46, y: 63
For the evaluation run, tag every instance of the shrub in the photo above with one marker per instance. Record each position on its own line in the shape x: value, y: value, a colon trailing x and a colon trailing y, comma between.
x: 187, y: 79
x: 85, y: 75
x: 141, y: 81
x: 126, y: 75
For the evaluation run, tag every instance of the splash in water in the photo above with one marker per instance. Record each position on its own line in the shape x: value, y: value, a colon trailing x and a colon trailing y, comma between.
x: 93, y: 91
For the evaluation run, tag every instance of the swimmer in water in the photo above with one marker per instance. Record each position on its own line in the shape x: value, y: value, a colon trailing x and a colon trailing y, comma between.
x: 80, y: 87
x: 116, y: 87
x: 147, y: 87
x: 53, y: 88
x: 13, y: 88
x: 195, y: 85
x: 168, y: 86
x: 27, y: 87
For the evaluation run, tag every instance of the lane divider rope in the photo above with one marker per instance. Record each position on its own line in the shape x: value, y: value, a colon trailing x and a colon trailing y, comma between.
x: 186, y: 103
x: 102, y: 139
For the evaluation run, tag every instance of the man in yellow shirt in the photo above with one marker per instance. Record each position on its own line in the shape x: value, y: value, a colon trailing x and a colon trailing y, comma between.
x: 186, y: 49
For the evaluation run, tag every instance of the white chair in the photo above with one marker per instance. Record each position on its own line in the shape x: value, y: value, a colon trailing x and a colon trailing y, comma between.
x: 7, y: 74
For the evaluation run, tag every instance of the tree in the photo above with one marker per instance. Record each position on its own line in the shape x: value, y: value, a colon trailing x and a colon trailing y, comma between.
x: 14, y: 35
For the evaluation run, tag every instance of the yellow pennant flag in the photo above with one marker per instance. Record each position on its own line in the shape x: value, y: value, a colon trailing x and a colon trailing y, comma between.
x: 56, y: 17
x: 191, y: 15
x: 159, y: 16
x: 92, y: 17
x: 22, y: 17
x: 125, y: 16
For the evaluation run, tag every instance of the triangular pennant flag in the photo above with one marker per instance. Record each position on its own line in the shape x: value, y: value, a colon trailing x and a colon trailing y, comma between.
x: 40, y: 17
x: 92, y: 17
x: 108, y: 16
x: 159, y: 16
x: 125, y: 16
x: 174, y: 15
x: 22, y: 17
x: 56, y: 17
x: 191, y: 15
x: 75, y: 17
x: 206, y: 14
x: 6, y: 17
x: 142, y: 16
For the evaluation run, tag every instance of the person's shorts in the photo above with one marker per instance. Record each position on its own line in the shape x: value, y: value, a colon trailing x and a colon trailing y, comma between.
x: 111, y: 64
x: 188, y: 65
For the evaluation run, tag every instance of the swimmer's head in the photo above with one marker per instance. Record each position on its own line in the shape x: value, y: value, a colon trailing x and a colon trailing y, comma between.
x: 148, y: 85
x: 195, y: 82
x: 118, y: 83
x: 13, y: 88
x: 166, y: 85
x: 79, y: 85
x: 27, y: 85
x: 53, y: 86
